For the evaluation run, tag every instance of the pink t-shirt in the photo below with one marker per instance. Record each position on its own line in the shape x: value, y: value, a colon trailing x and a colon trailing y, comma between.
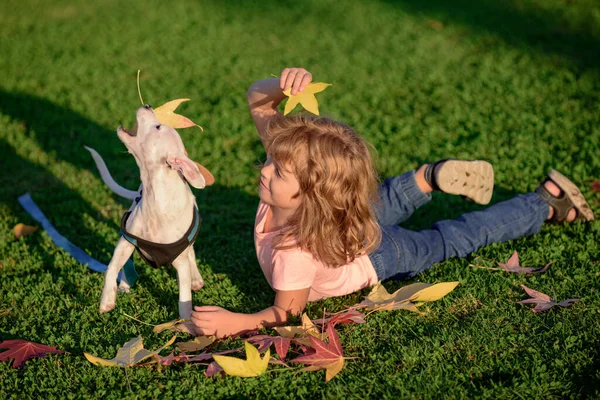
x: 294, y: 269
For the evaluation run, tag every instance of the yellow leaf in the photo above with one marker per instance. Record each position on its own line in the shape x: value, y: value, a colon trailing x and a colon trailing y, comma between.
x: 253, y: 365
x: 198, y: 343
x: 130, y: 354
x: 167, y: 325
x: 305, y: 98
x: 166, y: 115
x: 300, y: 333
x: 435, y: 292
x: 23, y: 230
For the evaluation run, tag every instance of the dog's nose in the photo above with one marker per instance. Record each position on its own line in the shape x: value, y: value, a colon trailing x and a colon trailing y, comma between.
x: 147, y: 106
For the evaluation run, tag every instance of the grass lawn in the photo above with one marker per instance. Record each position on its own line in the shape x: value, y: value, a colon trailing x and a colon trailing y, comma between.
x: 514, y: 82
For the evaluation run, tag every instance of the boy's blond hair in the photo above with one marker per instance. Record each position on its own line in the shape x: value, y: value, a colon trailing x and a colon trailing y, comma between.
x: 336, y: 220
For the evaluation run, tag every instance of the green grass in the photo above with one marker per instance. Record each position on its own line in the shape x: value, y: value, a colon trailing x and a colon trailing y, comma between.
x: 514, y: 82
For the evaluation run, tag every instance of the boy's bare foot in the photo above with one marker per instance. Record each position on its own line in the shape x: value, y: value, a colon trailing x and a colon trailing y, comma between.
x: 471, y: 179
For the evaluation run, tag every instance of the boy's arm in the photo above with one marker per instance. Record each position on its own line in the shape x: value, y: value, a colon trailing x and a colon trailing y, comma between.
x: 212, y: 320
x: 264, y: 96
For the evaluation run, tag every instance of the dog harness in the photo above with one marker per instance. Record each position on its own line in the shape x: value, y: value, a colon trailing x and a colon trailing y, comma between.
x: 162, y: 254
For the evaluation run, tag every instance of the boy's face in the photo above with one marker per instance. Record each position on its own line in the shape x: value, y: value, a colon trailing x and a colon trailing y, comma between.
x: 279, y: 187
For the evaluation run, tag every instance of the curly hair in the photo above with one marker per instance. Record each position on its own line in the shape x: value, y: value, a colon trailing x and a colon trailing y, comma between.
x: 336, y: 220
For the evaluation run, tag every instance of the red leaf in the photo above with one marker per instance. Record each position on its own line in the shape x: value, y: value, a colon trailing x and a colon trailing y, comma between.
x: 213, y: 368
x: 321, y: 355
x: 596, y: 186
x: 202, y: 356
x: 22, y: 350
x: 281, y: 343
x: 542, y: 301
x: 512, y: 265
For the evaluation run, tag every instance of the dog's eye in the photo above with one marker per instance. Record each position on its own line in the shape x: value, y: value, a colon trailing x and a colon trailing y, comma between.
x: 158, y: 127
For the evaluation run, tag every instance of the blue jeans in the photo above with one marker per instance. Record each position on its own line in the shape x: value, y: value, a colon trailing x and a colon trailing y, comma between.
x: 404, y: 253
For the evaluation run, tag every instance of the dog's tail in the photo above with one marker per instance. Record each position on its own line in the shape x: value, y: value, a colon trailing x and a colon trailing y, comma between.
x: 108, y: 179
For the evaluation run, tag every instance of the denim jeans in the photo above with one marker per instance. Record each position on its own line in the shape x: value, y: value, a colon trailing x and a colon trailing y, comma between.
x: 404, y: 253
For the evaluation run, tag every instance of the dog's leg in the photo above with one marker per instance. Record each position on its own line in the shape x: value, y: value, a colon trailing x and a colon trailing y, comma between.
x: 184, y: 279
x: 197, y: 281
x: 122, y: 252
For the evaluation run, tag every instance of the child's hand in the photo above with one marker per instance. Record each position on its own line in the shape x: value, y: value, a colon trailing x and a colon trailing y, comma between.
x: 213, y: 320
x: 295, y: 78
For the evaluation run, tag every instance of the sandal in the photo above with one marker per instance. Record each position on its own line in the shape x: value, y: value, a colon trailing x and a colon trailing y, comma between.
x: 571, y: 198
x: 473, y: 180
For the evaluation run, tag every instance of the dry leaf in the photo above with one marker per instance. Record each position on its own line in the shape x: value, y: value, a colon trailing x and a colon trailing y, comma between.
x: 596, y: 186
x: 542, y: 301
x: 130, y: 354
x: 282, y: 344
x: 177, y: 325
x: 322, y: 355
x: 512, y: 265
x: 345, y: 317
x: 300, y: 333
x: 434, y: 292
x: 253, y: 365
x: 197, y: 344
x: 305, y: 98
x: 22, y: 350
x: 166, y: 115
x: 23, y: 230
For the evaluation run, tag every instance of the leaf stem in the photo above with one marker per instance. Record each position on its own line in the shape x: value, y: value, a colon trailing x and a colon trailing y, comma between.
x: 138, y: 85
x: 135, y: 319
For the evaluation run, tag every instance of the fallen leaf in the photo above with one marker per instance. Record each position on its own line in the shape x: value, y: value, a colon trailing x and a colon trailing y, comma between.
x: 380, y: 300
x: 202, y: 356
x: 437, y: 25
x: 305, y: 98
x: 300, y: 333
x: 23, y: 230
x: 542, y: 301
x: 253, y: 365
x: 166, y: 115
x: 596, y: 186
x: 322, y: 355
x: 345, y: 317
x: 177, y: 325
x: 433, y: 292
x: 282, y: 344
x: 130, y: 354
x: 197, y: 344
x: 22, y: 350
x: 512, y: 265
x: 213, y: 368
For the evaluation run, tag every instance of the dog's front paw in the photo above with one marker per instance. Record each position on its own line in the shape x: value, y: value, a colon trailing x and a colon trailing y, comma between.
x: 124, y: 286
x: 109, y: 296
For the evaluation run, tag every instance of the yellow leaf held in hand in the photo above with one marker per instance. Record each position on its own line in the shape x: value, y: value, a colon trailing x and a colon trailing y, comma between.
x: 130, y: 354
x: 23, y: 230
x: 306, y: 98
x: 253, y: 365
x: 166, y: 115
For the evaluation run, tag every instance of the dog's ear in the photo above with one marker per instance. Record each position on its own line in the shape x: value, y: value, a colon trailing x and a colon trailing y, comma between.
x: 208, y: 177
x: 190, y: 171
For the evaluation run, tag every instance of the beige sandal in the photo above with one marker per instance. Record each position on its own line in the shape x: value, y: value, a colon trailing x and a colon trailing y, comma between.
x: 473, y: 180
x: 571, y: 198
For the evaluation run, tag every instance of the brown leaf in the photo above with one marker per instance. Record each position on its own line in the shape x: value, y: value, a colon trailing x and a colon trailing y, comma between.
x: 21, y: 230
x: 542, y: 301
x: 596, y: 186
x: 197, y: 344
x: 437, y: 25
x: 512, y: 265
x: 214, y: 368
x: 22, y: 350
x: 345, y: 317
x: 282, y: 344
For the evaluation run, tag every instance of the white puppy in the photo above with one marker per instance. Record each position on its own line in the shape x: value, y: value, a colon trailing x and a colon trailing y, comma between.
x: 163, y: 222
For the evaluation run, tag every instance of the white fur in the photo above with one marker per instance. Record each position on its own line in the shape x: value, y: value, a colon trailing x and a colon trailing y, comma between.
x: 165, y: 211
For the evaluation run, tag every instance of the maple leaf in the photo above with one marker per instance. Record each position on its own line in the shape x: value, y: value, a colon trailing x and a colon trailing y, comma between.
x: 322, y: 355
x: 282, y: 344
x: 166, y: 115
x: 512, y: 265
x: 300, y: 333
x: 252, y: 366
x: 130, y: 354
x: 408, y: 297
x: 344, y: 317
x: 542, y: 301
x: 23, y: 230
x: 22, y: 350
x: 305, y: 98
x: 198, y: 343
x: 213, y: 368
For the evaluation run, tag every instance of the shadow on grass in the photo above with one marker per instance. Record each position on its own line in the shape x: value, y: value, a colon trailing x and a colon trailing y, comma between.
x: 519, y: 24
x: 60, y: 133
